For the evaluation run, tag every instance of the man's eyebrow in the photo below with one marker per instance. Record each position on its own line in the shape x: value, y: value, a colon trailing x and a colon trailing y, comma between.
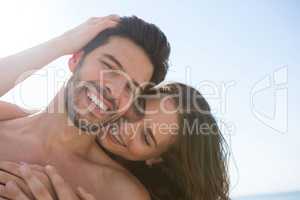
x: 120, y: 66
x: 152, y: 136
x: 113, y: 59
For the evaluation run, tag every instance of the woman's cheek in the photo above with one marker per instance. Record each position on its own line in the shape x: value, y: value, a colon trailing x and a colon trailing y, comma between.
x: 137, y: 151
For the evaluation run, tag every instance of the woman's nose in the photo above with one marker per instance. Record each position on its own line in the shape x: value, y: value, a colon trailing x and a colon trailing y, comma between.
x: 129, y: 131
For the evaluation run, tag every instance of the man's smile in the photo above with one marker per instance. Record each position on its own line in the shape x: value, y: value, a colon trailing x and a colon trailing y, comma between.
x: 98, y: 102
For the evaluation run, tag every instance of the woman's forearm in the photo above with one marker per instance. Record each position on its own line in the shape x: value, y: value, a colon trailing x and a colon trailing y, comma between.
x: 13, y: 67
x: 12, y: 111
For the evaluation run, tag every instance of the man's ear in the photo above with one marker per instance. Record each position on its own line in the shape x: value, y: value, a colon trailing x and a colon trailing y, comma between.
x: 74, y: 60
x: 153, y: 161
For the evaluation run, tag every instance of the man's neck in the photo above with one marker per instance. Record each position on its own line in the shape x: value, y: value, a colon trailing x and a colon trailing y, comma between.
x: 50, y: 131
x: 62, y: 130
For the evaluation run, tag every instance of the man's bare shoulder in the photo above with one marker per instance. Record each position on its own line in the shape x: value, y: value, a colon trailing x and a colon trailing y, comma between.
x: 123, y: 185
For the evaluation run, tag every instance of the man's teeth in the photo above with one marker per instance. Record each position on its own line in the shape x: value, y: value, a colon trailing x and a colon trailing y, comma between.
x: 97, y: 101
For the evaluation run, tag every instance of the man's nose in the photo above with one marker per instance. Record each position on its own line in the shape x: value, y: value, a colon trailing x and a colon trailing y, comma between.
x: 118, y: 90
x: 115, y: 88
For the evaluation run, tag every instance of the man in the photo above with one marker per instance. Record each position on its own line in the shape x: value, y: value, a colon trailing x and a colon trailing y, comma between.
x: 108, y: 69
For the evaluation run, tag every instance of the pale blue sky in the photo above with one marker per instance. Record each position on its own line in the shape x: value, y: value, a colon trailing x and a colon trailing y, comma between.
x: 214, y: 43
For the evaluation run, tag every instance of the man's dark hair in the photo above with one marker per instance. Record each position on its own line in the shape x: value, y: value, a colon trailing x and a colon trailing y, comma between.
x: 147, y: 36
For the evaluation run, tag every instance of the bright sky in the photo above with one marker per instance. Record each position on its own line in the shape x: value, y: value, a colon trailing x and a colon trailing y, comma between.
x: 242, y: 55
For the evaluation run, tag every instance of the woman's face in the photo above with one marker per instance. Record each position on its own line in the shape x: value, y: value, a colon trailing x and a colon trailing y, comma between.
x: 146, y: 138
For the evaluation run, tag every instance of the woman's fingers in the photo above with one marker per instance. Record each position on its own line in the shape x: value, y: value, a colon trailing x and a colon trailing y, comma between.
x: 11, y: 171
x: 7, y: 177
x: 12, y: 175
x: 63, y: 190
x: 14, y: 168
x: 12, y: 191
x: 104, y: 23
x: 36, y: 186
x: 98, y: 24
x: 113, y: 17
x: 84, y: 195
x: 2, y: 191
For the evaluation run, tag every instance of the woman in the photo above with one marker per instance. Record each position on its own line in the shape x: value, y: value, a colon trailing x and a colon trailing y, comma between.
x: 194, y: 164
x: 188, y: 161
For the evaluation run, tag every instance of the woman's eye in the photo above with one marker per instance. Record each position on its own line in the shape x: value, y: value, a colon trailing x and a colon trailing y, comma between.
x: 139, y: 106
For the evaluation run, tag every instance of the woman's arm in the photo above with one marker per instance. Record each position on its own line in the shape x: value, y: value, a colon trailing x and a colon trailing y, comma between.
x: 13, y: 67
x: 121, y: 186
x: 12, y: 111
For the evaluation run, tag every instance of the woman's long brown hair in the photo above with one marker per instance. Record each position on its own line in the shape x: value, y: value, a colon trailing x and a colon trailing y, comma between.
x: 195, y: 167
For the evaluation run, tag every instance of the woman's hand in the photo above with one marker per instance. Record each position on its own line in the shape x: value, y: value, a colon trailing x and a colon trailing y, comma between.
x: 63, y: 191
x: 75, y: 39
x: 9, y: 171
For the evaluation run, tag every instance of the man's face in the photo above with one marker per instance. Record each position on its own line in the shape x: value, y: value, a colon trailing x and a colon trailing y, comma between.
x: 105, y: 82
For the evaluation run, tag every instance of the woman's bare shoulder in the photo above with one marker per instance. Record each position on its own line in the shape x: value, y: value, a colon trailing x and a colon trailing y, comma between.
x: 11, y: 111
